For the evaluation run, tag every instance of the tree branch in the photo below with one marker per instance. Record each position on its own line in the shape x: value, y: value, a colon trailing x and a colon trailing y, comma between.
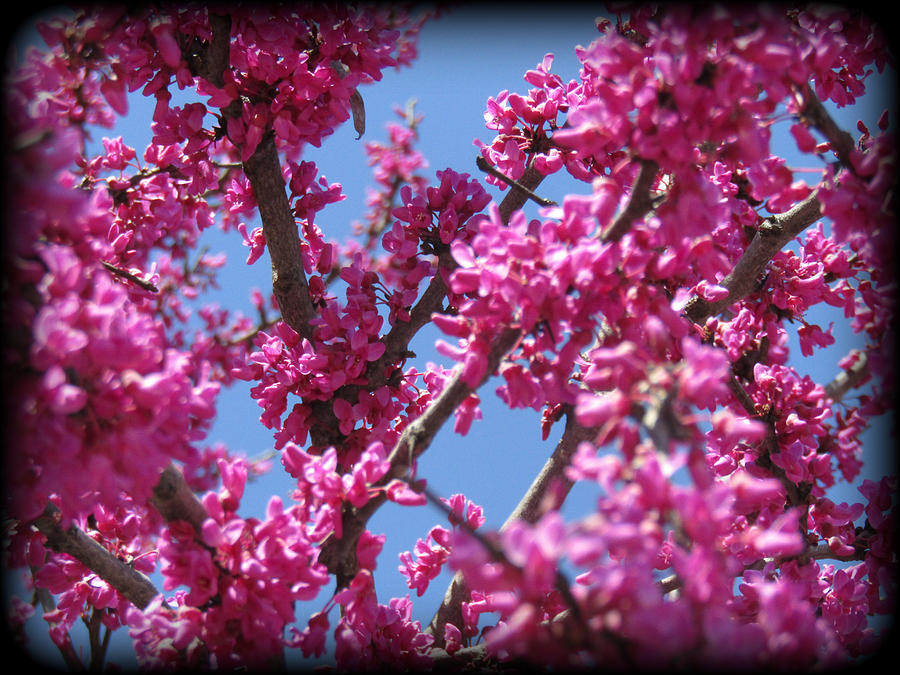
x: 48, y: 604
x: 516, y: 198
x: 398, y: 338
x: 339, y: 555
x: 772, y: 236
x: 815, y: 114
x: 125, y: 274
x: 640, y: 202
x: 848, y: 379
x: 217, y: 55
x: 529, y: 509
x: 770, y: 445
x: 171, y: 497
x: 779, y: 229
x: 568, y: 625
x: 133, y: 585
x: 176, y: 501
x: 263, y: 170
x: 482, y: 164
x: 289, y: 282
x: 497, y: 553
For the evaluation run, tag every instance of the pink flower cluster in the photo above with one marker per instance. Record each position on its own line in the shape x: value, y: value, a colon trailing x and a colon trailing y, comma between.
x: 396, y: 164
x: 371, y: 635
x: 436, y: 218
x: 97, y: 357
x: 705, y: 534
x: 434, y: 551
x: 523, y: 123
x: 287, y: 364
x: 322, y: 490
x: 243, y: 577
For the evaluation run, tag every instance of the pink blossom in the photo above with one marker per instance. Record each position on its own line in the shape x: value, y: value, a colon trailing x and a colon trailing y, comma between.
x: 431, y: 555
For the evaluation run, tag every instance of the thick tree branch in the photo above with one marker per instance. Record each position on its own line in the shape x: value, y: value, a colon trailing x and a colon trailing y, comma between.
x: 417, y: 436
x: 772, y: 236
x: 176, y: 501
x: 171, y: 497
x: 532, y: 505
x: 289, y: 282
x: 133, y: 585
x: 217, y: 55
x: 263, y: 170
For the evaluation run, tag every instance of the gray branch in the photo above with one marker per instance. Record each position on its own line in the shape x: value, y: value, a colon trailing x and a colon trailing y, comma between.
x: 848, y: 379
x: 772, y: 236
x: 171, y: 497
x: 133, y: 585
x: 289, y: 282
x: 176, y: 501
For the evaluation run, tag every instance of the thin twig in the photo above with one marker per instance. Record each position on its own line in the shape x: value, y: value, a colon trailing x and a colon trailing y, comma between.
x: 125, y: 274
x: 482, y: 164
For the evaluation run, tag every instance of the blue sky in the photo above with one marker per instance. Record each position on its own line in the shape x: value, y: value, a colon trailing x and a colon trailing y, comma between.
x: 465, y: 57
